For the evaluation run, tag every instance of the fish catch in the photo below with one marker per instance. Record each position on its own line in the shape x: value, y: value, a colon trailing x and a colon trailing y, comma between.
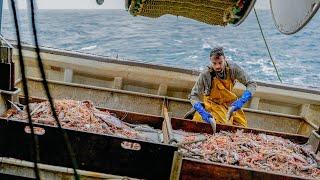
x: 83, y: 116
x: 256, y: 151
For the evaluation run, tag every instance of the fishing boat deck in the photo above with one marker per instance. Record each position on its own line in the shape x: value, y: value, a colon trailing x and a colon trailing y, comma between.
x: 117, y: 83
x: 176, y: 165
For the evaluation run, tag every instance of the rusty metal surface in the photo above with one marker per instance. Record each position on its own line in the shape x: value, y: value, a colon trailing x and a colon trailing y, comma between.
x: 188, y: 125
x: 272, y: 122
x: 152, y: 104
x: 278, y: 106
x: 176, y: 166
x: 305, y: 129
x: 178, y: 108
x: 2, y: 105
x: 101, y: 98
x: 192, y: 126
x: 127, y: 116
x: 193, y: 169
x: 137, y: 118
x: 11, y: 168
x: 314, y: 141
x: 167, y: 121
x: 313, y: 114
x: 94, y: 152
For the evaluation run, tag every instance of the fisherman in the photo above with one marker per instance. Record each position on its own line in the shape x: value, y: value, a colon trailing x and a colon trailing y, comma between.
x: 215, y: 85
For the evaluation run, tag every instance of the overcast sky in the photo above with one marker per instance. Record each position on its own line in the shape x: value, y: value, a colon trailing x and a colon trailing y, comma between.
x: 91, y: 4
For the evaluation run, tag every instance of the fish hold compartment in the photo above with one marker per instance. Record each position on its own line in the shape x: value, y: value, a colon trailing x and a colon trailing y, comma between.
x: 105, y: 141
x: 242, y: 153
x: 84, y: 116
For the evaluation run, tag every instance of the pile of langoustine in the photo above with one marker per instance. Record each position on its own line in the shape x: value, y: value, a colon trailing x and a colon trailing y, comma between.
x: 257, y: 151
x: 82, y: 116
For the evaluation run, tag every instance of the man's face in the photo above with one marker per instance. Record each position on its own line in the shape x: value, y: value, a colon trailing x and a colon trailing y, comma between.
x: 218, y: 63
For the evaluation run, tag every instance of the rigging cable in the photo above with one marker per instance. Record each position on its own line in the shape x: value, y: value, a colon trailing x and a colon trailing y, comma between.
x: 45, y: 85
x: 25, y: 91
x: 265, y: 42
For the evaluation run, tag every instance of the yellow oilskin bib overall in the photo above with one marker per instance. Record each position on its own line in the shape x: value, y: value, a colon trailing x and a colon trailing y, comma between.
x: 219, y: 100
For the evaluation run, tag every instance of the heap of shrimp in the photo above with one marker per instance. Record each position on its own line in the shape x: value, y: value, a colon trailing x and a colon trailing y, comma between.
x: 78, y: 115
x: 257, y: 151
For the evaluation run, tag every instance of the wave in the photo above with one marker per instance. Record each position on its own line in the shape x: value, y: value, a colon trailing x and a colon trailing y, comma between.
x: 88, y: 48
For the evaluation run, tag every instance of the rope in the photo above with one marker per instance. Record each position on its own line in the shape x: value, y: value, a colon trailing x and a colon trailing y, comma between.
x: 25, y: 91
x: 45, y: 84
x: 265, y: 42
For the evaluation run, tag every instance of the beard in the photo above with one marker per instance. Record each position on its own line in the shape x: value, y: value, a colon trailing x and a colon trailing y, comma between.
x: 219, y: 70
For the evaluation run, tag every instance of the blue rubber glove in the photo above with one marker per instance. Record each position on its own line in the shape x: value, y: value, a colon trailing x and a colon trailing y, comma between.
x: 204, y: 114
x: 246, y: 96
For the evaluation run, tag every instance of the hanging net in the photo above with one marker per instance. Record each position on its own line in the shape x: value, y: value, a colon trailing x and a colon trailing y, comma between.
x: 213, y: 12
